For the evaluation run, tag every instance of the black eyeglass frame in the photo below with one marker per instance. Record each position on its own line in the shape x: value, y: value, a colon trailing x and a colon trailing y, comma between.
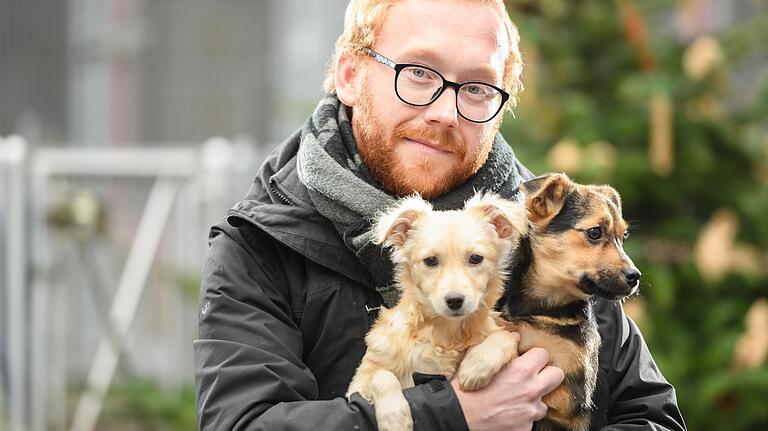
x: 398, y: 67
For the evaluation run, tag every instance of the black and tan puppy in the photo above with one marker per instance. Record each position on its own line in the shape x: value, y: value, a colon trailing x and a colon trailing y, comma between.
x: 573, y: 250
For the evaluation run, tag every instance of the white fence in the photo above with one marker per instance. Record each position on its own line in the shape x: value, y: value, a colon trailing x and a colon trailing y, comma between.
x: 94, y: 245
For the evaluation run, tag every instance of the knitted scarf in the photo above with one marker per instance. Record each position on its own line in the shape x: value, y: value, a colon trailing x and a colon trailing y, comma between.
x: 344, y: 191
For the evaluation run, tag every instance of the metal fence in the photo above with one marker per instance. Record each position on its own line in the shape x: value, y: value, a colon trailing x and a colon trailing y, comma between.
x: 99, y: 262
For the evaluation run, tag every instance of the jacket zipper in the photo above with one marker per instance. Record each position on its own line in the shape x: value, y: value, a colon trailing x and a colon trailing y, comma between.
x: 277, y: 192
x: 372, y: 313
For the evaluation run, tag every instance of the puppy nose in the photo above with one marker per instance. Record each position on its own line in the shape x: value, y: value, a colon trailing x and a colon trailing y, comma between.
x: 454, y: 302
x: 633, y: 276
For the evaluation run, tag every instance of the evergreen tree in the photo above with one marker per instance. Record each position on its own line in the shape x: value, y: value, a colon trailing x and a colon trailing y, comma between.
x: 614, y: 94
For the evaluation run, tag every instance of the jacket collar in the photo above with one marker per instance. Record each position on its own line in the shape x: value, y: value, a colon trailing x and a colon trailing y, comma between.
x: 279, y: 204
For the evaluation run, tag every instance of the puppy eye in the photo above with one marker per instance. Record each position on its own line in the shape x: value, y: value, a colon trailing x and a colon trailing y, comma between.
x: 626, y: 235
x: 430, y: 261
x: 594, y: 233
x: 475, y: 259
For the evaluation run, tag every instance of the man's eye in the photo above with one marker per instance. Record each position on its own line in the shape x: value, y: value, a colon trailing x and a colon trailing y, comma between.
x: 594, y: 233
x: 478, y: 91
x: 430, y: 261
x: 418, y: 73
x: 475, y: 259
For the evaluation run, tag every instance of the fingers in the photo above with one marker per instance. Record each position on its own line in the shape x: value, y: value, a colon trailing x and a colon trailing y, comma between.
x: 533, y: 364
x: 531, y: 367
x: 541, y: 411
x: 534, y: 359
x: 550, y: 377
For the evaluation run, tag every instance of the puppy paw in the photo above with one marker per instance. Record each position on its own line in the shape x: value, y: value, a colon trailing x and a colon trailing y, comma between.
x: 476, y: 372
x: 394, y: 414
x: 484, y: 360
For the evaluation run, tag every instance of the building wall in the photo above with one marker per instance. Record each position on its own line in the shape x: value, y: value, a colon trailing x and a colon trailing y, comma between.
x: 117, y: 72
x: 33, y: 79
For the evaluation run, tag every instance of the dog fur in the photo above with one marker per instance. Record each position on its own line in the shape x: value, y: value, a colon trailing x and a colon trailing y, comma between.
x: 440, y: 256
x: 572, y: 251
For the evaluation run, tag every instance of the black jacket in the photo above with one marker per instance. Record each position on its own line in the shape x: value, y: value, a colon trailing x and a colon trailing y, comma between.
x: 284, y: 307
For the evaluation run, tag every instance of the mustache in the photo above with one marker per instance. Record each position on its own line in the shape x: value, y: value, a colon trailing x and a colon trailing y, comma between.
x: 447, y: 138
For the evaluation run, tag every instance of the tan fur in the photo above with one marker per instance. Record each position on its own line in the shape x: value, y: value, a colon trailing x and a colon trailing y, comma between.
x: 563, y: 256
x: 422, y: 333
x: 559, y: 401
x: 562, y: 353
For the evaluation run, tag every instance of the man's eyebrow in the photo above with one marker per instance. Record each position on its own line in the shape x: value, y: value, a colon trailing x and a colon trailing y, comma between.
x: 483, y: 72
x: 418, y: 53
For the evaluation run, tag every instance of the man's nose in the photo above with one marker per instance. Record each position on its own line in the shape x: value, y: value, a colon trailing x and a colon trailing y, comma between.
x: 443, y: 110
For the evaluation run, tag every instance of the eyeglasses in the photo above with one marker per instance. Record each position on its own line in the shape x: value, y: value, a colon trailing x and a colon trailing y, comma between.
x: 419, y: 85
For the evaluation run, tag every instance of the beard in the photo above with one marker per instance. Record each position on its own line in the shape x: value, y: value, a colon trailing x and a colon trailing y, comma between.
x: 427, y: 176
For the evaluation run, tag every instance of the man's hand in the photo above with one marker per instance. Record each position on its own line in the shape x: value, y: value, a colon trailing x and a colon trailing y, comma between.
x: 512, y: 401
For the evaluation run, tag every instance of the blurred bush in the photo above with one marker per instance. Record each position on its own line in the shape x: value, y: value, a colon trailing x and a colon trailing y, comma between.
x: 143, y: 405
x: 617, y: 93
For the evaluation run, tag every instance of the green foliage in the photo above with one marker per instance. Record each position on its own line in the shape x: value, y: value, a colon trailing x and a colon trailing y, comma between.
x: 586, y: 82
x: 141, y: 404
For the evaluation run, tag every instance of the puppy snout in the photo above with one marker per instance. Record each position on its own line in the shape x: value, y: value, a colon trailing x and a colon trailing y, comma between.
x: 454, y: 302
x: 633, y: 276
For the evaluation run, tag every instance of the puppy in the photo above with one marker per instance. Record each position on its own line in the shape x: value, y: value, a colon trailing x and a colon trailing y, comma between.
x: 450, y: 269
x: 572, y: 251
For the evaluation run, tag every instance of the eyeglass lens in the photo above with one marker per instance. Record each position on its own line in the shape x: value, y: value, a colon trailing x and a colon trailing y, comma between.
x: 420, y: 86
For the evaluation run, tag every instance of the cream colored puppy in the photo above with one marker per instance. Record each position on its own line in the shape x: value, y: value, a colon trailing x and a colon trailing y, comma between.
x: 450, y: 269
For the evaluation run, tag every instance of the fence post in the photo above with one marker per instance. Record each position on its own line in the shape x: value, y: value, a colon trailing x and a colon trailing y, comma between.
x: 13, y: 155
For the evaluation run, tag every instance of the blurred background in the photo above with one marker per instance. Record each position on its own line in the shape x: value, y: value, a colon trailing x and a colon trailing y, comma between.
x: 128, y: 127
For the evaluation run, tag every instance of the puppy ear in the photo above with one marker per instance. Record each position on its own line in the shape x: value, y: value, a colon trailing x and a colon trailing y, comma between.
x: 393, y: 226
x: 544, y: 196
x: 611, y: 194
x: 506, y: 216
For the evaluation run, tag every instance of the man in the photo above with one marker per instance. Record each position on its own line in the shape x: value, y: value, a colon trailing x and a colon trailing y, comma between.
x: 416, y: 92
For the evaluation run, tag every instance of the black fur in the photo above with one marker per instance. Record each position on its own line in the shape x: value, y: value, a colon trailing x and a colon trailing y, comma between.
x: 521, y: 261
x: 608, y: 286
x: 574, y: 209
x: 515, y: 301
x: 545, y: 425
x: 522, y: 305
x: 516, y: 305
x: 578, y: 333
x: 573, y: 321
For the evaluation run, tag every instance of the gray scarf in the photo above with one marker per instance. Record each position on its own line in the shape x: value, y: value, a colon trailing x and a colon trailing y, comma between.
x: 343, y: 190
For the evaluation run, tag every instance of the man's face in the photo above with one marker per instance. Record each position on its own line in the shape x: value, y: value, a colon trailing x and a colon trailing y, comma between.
x: 428, y: 149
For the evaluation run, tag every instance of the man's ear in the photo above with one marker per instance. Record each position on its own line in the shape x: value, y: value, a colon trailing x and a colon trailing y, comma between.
x: 346, y: 78
x: 392, y: 228
x: 545, y: 196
